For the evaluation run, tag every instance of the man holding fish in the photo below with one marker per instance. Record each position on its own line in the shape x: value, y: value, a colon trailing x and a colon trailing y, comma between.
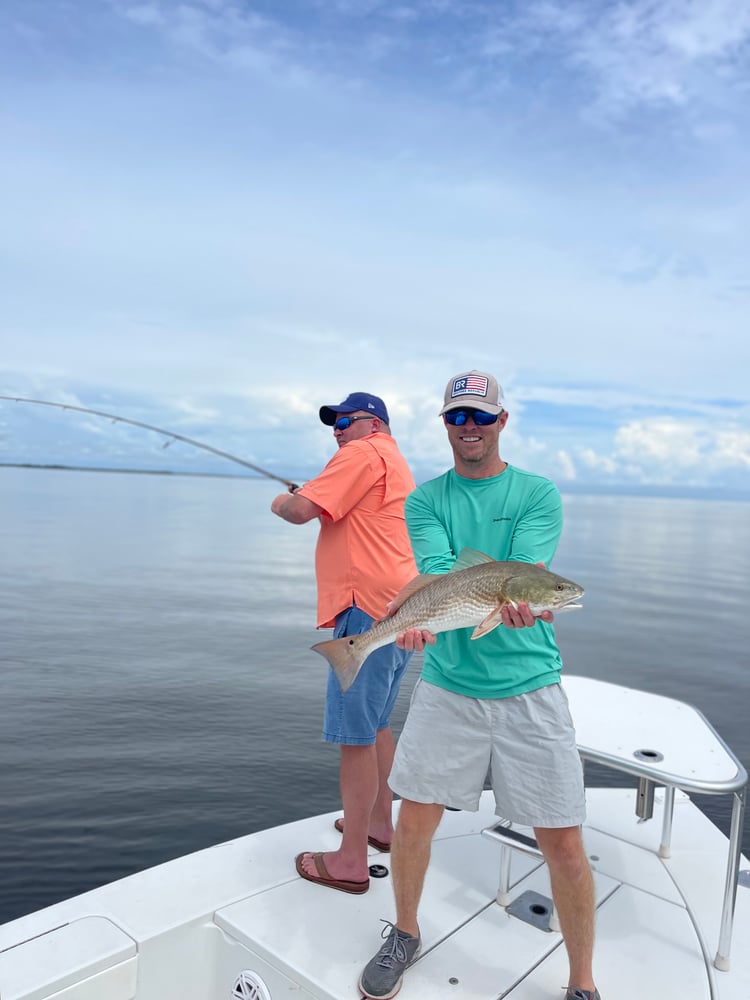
x: 491, y: 698
x: 363, y: 558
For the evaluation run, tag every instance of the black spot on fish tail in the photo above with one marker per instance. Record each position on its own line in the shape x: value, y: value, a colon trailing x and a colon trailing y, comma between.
x: 342, y: 659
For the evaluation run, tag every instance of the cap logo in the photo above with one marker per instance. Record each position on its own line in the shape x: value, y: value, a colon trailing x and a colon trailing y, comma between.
x: 475, y: 385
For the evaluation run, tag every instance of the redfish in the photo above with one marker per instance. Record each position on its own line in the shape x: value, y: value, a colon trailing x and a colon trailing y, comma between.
x: 473, y: 593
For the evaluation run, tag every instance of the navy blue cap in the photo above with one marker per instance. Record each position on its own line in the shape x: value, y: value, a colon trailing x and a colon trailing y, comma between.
x: 355, y: 401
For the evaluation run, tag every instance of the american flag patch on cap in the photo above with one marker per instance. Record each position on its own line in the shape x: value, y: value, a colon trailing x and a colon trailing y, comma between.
x: 474, y: 384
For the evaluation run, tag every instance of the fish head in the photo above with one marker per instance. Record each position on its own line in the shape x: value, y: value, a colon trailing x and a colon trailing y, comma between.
x: 541, y: 589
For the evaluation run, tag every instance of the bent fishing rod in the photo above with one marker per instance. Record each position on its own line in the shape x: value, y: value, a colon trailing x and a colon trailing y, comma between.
x: 115, y: 418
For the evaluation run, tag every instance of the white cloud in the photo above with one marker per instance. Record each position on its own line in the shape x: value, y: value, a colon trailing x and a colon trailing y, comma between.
x: 597, y: 463
x: 731, y: 449
x: 663, y: 441
x: 566, y: 466
x: 658, y: 52
x: 635, y: 53
x: 672, y: 450
x: 144, y: 13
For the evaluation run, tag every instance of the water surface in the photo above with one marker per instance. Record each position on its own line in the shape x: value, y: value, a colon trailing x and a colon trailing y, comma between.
x: 157, y: 689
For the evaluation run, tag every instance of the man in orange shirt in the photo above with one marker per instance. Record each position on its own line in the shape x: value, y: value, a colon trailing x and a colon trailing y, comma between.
x: 363, y: 558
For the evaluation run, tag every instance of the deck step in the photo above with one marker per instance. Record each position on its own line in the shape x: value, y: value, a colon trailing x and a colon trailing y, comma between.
x: 513, y: 840
x: 504, y: 834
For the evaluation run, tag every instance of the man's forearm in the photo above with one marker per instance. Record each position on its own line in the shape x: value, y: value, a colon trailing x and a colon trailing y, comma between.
x: 294, y: 509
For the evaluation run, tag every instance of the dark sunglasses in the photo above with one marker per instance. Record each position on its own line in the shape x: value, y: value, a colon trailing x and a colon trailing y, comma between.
x: 457, y: 418
x: 343, y: 422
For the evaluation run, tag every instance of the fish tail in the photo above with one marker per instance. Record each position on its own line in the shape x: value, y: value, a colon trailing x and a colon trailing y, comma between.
x: 344, y: 660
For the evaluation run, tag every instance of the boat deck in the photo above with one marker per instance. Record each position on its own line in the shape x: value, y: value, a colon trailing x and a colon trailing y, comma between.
x: 188, y: 929
x: 473, y: 948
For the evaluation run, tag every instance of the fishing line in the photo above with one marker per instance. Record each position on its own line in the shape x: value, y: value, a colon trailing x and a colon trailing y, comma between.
x: 172, y: 435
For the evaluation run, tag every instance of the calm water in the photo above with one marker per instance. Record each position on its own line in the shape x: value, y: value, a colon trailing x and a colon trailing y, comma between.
x: 158, y: 694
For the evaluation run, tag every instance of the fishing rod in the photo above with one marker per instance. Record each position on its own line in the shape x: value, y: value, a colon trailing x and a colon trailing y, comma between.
x: 115, y: 418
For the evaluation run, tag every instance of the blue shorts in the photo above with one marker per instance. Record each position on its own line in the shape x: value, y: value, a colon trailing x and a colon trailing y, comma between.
x: 355, y: 717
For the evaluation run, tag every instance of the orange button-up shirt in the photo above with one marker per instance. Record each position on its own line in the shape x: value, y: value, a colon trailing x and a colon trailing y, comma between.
x: 363, y: 554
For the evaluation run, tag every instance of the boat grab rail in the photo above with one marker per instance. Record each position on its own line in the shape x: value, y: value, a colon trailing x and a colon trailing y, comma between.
x: 601, y: 708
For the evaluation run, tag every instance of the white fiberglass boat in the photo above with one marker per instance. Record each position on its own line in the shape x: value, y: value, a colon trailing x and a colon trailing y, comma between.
x: 235, y: 921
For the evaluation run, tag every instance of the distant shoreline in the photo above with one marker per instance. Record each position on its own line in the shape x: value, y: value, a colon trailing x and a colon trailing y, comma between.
x: 59, y: 467
x: 572, y: 489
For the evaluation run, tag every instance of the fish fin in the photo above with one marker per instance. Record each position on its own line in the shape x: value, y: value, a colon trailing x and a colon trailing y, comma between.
x: 491, y: 622
x: 342, y: 659
x: 418, y: 583
x: 470, y: 557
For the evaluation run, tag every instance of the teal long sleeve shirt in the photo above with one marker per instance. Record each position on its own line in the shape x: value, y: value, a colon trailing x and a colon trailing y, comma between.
x: 513, y: 516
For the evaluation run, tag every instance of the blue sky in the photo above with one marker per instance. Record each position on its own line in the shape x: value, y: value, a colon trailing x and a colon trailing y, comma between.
x: 217, y: 215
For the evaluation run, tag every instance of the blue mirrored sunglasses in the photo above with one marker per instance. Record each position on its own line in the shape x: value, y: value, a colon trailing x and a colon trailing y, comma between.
x: 457, y: 418
x: 343, y: 422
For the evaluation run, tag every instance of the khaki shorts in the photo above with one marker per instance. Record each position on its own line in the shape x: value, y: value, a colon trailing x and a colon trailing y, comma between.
x: 527, y: 743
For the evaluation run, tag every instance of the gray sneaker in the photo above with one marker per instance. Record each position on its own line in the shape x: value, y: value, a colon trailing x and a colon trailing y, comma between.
x: 382, y: 975
x: 576, y: 993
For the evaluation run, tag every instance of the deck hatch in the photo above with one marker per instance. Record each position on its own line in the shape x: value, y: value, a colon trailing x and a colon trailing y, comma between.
x: 533, y: 908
